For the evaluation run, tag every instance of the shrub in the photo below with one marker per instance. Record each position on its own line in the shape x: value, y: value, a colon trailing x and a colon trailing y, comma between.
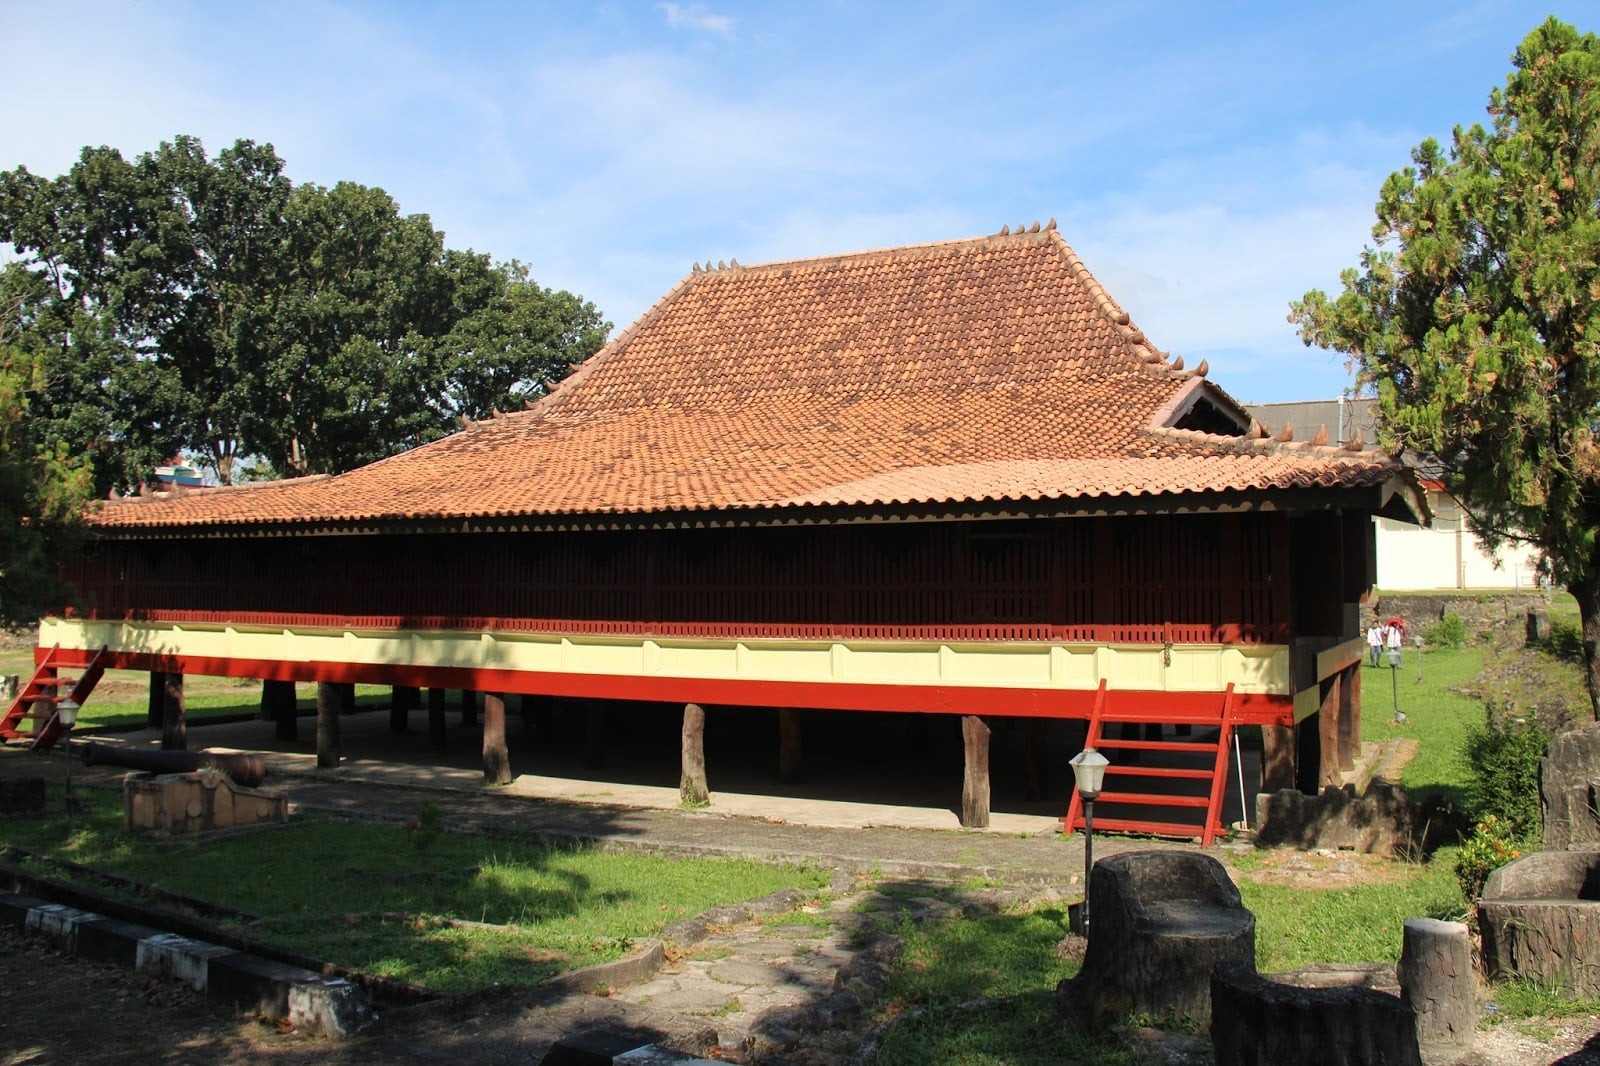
x: 1493, y: 843
x: 1448, y: 632
x: 426, y: 828
x: 1503, y: 756
x: 1566, y: 640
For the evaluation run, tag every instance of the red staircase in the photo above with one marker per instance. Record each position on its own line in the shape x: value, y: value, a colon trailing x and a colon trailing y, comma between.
x: 32, y: 715
x: 1185, y: 775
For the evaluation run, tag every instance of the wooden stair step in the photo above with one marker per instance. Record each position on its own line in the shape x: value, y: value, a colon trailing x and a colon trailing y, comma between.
x: 1196, y: 746
x: 1152, y: 799
x: 1182, y: 830
x: 1158, y: 771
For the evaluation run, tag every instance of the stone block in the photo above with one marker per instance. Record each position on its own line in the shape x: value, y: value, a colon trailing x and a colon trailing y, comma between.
x: 197, y: 802
x: 1382, y: 822
x: 1569, y: 789
x: 1539, y: 919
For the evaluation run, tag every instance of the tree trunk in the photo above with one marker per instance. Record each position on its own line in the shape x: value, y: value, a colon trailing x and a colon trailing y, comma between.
x: 692, y: 788
x: 975, y: 782
x: 174, y: 727
x: 1588, y: 596
x: 328, y: 700
x: 496, y: 760
x: 1437, y: 979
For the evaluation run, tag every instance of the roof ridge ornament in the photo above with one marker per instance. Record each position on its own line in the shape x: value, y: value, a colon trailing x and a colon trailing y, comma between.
x: 1321, y: 437
x: 1356, y: 443
x: 1286, y: 434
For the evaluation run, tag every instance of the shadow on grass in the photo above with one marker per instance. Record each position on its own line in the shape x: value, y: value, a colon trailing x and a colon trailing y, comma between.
x: 975, y: 981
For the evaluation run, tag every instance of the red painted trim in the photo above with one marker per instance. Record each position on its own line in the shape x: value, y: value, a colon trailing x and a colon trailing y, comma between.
x: 1249, y: 709
x: 1159, y: 633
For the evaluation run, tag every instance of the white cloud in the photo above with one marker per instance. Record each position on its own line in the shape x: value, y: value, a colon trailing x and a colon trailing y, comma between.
x: 696, y: 17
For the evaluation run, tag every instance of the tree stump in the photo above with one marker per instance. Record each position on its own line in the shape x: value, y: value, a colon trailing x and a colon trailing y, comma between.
x: 975, y: 782
x: 1437, y: 979
x: 1160, y: 921
x: 692, y: 788
x: 1257, y: 1022
x: 496, y: 760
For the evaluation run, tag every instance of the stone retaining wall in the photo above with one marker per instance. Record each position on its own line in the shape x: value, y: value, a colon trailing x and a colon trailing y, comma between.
x: 1480, y: 613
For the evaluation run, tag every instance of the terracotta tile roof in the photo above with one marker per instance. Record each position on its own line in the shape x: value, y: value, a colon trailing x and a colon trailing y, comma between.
x: 994, y: 368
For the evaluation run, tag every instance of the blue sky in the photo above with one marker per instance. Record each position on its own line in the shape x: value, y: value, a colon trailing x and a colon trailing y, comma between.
x: 1209, y: 161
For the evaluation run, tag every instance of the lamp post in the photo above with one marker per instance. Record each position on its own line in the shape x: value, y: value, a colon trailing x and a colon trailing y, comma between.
x: 1089, y: 771
x: 67, y: 715
x: 1416, y: 642
x: 1394, y: 681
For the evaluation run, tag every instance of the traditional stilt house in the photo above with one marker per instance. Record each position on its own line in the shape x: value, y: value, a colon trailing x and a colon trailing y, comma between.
x: 949, y: 479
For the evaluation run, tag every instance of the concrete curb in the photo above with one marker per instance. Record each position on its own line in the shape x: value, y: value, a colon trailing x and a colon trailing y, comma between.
x: 326, y: 1006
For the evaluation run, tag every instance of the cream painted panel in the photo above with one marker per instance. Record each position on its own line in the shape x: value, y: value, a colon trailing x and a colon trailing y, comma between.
x: 1040, y: 666
x: 889, y: 663
x: 1012, y: 665
x: 789, y: 662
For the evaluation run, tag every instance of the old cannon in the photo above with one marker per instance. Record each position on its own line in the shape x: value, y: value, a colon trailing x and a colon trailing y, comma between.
x: 247, y: 771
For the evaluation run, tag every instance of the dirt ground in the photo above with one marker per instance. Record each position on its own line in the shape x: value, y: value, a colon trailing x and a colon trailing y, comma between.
x: 58, y: 1009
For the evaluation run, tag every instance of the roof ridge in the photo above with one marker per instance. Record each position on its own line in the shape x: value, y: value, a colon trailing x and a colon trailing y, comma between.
x: 1263, y: 443
x: 191, y: 490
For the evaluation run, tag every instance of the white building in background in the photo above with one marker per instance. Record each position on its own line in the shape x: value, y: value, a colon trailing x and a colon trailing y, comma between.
x: 1448, y: 555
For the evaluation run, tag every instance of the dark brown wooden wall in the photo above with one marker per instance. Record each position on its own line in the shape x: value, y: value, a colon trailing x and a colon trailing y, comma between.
x: 1133, y: 578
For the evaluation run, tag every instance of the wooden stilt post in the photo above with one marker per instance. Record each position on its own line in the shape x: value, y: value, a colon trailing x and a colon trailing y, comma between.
x: 496, y: 760
x: 347, y: 698
x: 155, y: 710
x: 438, y: 737
x: 401, y: 699
x: 1307, y: 756
x: 594, y: 735
x: 791, y: 755
x: 692, y: 788
x: 1329, y: 774
x: 1036, y: 759
x: 1350, y: 719
x: 280, y: 697
x: 975, y: 784
x: 174, y: 725
x: 1277, y: 758
x: 264, y: 709
x: 469, y: 707
x: 328, y: 700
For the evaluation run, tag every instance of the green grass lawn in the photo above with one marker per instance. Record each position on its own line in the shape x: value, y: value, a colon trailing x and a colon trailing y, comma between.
x: 1438, y: 716
x: 383, y: 900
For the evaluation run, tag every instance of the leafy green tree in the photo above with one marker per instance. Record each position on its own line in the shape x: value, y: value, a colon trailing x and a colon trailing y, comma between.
x: 43, y: 489
x: 1476, y: 317
x: 209, y: 306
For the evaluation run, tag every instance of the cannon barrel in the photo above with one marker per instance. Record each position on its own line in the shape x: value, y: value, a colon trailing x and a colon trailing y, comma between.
x: 246, y: 770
